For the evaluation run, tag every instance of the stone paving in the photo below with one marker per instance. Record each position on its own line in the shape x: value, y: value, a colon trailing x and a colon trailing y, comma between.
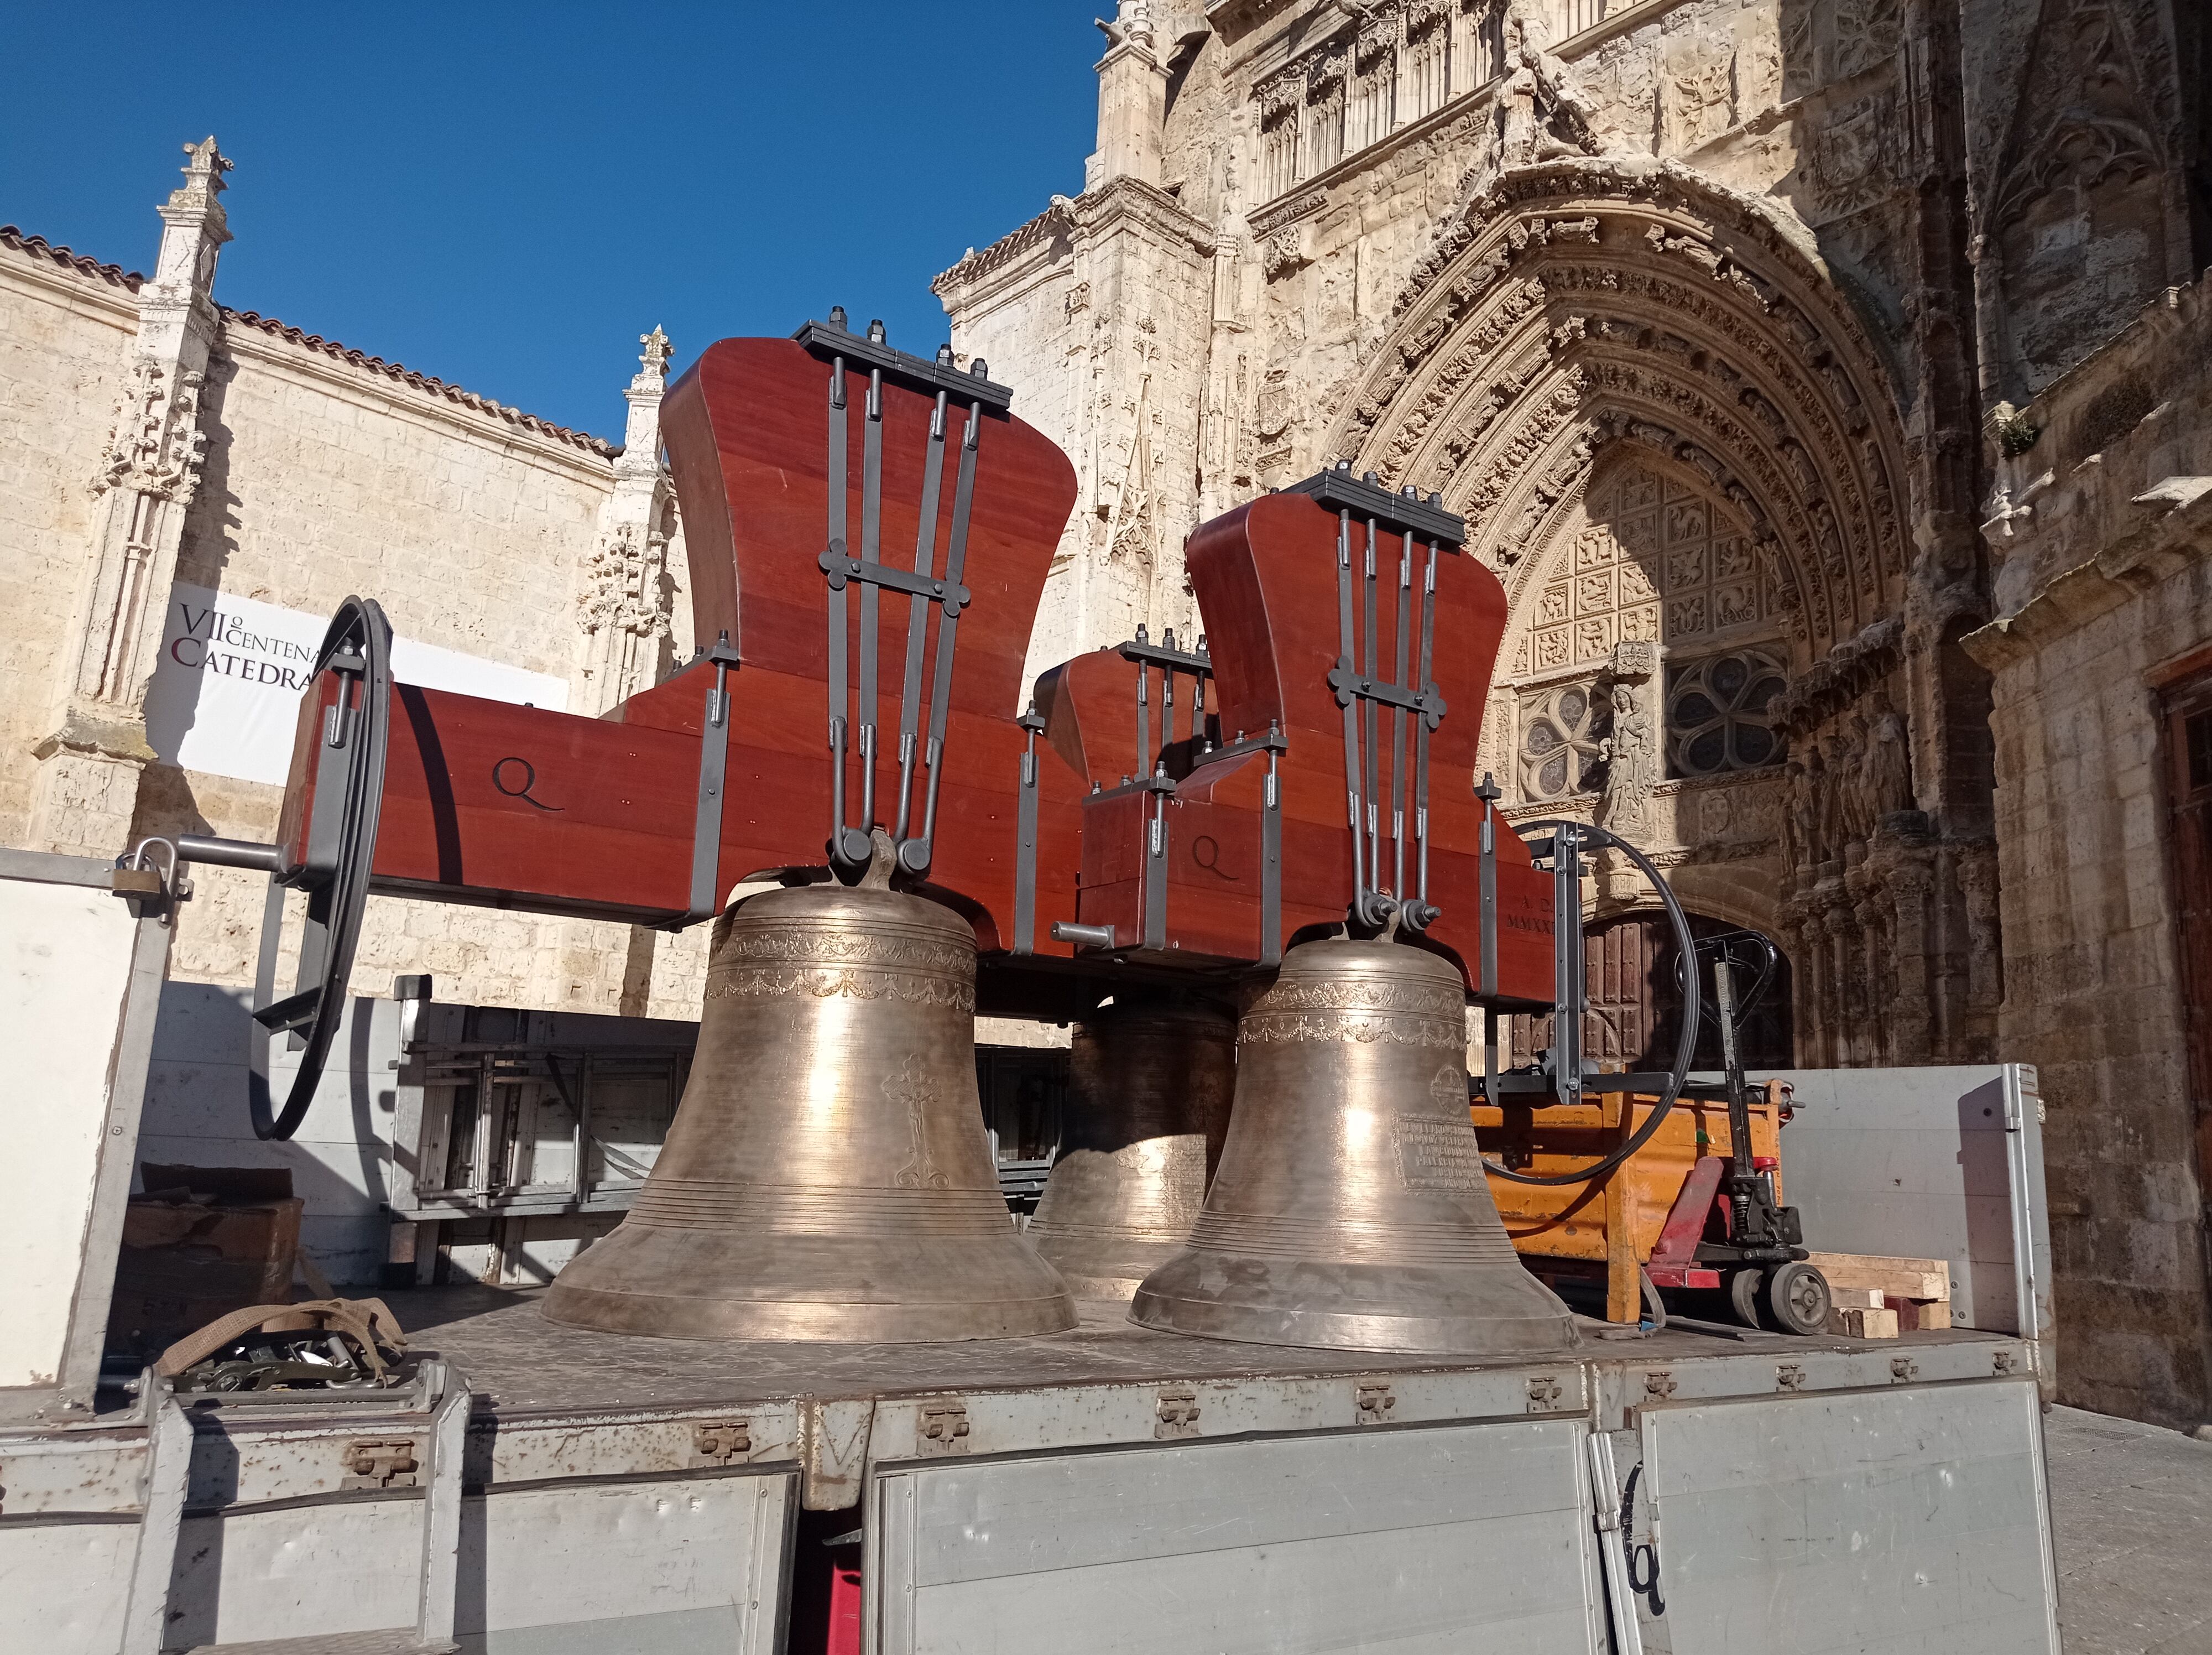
x: 2131, y: 1506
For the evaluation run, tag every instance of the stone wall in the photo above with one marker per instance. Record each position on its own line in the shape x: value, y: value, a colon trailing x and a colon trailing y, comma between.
x: 2102, y: 523
x: 152, y: 436
x: 65, y: 328
x: 1697, y: 312
x: 1494, y: 252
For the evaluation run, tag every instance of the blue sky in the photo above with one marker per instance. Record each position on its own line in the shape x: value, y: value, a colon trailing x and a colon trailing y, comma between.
x: 506, y: 195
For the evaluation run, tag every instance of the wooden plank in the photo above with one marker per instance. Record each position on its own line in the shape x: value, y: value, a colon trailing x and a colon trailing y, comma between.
x: 1905, y: 1278
x: 1623, y: 1287
x: 1863, y: 1324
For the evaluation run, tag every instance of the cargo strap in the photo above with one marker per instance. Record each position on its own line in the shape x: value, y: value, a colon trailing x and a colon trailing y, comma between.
x: 368, y: 1323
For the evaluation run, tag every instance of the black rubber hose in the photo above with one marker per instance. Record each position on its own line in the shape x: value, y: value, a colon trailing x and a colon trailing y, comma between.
x: 360, y: 623
x: 1685, y: 1044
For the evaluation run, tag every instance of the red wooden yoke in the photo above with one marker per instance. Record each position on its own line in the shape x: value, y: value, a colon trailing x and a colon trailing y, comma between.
x: 828, y: 479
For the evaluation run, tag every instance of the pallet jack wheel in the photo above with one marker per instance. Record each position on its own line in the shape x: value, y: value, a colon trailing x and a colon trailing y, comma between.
x: 1797, y: 1298
x: 1743, y: 1295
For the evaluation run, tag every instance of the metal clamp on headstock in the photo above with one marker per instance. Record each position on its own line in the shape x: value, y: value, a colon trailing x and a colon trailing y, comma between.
x: 1362, y: 690
x: 850, y: 843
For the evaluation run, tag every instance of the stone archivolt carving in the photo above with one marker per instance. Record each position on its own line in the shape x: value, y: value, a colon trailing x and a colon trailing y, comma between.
x: 1707, y: 328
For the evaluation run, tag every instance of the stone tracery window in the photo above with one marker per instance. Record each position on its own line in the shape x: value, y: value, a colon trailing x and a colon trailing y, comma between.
x: 1559, y: 739
x: 1719, y: 713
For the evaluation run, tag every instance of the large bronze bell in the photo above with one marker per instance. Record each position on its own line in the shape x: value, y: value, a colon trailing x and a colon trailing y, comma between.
x: 1350, y: 1209
x: 827, y: 1176
x: 1149, y: 1088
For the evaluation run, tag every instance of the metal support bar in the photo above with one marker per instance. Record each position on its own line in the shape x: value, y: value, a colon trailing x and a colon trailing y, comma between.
x: 1488, y: 977
x: 1568, y: 989
x: 230, y: 853
x: 841, y: 849
x: 917, y: 618
x: 1025, y: 849
x: 442, y: 1513
x: 705, y: 898
x: 1156, y: 860
x: 921, y: 743
x: 872, y: 524
x: 168, y: 1474
x: 915, y: 853
x: 1271, y: 856
x: 1613, y: 1546
x: 1420, y: 913
x: 1398, y: 777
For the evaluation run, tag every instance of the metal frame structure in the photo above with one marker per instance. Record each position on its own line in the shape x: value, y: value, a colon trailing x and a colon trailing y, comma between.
x: 924, y: 585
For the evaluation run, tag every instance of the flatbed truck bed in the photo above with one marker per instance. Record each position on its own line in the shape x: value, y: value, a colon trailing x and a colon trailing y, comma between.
x: 540, y: 1490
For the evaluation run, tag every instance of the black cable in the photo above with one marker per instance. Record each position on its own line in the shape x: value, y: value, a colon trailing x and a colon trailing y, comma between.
x: 1685, y: 1044
x: 1719, y: 947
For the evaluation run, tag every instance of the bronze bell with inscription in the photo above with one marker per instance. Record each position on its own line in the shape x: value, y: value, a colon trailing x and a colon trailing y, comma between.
x: 1149, y: 1087
x: 827, y: 1176
x: 1350, y: 1209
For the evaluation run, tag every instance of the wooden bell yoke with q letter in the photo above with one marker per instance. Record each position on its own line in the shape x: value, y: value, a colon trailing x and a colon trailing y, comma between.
x: 1352, y: 646
x: 868, y: 535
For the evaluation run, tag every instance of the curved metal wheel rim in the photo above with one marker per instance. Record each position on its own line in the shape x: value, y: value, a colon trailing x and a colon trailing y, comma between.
x: 359, y: 623
x: 1806, y: 1289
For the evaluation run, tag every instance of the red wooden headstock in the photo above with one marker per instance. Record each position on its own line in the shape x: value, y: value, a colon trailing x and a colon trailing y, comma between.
x: 1272, y: 585
x: 490, y: 803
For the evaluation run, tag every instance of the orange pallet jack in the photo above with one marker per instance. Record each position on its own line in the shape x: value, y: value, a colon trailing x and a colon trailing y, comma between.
x: 1684, y: 1194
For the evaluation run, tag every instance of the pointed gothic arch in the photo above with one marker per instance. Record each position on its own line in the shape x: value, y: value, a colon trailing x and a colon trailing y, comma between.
x: 1585, y: 303
x: 1674, y: 439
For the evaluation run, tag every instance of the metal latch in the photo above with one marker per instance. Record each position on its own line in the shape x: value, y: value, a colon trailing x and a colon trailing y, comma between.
x: 1788, y: 1376
x: 1375, y: 1402
x: 2004, y: 1361
x: 1902, y: 1368
x: 1658, y: 1385
x: 1178, y: 1414
x: 719, y: 1443
x: 942, y: 1428
x: 380, y: 1465
x: 1543, y: 1393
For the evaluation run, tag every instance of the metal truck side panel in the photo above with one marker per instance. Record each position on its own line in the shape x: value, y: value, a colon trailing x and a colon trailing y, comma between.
x: 1408, y: 1539
x: 1908, y: 1521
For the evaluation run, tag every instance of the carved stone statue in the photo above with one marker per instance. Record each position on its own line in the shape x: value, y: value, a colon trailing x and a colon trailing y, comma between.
x: 1857, y: 798
x: 1796, y: 818
x: 1545, y: 112
x: 1823, y: 838
x: 1889, y: 771
x: 1631, y: 754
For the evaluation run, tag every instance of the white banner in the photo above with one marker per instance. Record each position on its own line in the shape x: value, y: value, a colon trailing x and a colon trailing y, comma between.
x: 225, y: 697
